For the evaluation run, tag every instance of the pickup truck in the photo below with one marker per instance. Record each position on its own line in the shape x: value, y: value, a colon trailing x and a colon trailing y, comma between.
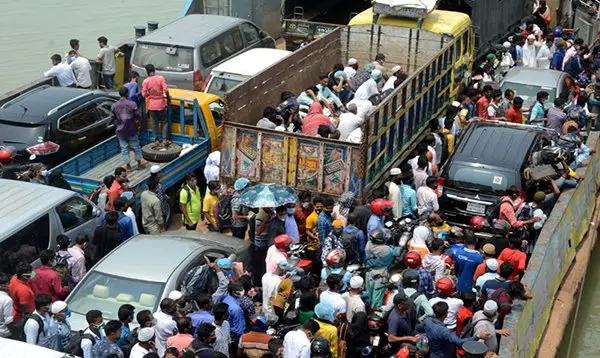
x: 194, y: 118
x: 435, y: 56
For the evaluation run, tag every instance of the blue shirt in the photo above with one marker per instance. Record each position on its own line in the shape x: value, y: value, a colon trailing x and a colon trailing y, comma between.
x: 134, y: 91
x: 557, y: 60
x: 345, y: 279
x: 442, y: 343
x: 359, y: 242
x: 125, y: 225
x: 323, y: 226
x: 409, y: 200
x: 466, y: 261
x: 236, y: 319
x: 200, y: 317
x: 492, y: 285
x: 291, y: 228
x: 374, y: 223
x: 124, y: 335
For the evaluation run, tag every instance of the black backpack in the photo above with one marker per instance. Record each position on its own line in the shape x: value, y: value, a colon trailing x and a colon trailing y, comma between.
x: 224, y: 213
x: 74, y: 345
x: 93, y: 196
x: 468, y: 329
x: 493, y: 212
x: 19, y: 331
x: 349, y: 240
x: 176, y: 207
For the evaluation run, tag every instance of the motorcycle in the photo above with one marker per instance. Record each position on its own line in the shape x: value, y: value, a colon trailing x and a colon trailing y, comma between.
x: 298, y: 256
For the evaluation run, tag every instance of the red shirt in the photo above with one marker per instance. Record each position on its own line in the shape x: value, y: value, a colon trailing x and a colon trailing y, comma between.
x: 515, y: 115
x: 22, y: 295
x: 154, y: 88
x: 482, y: 105
x: 47, y: 282
x: 481, y: 269
x: 515, y: 257
x: 461, y: 317
x: 114, y: 192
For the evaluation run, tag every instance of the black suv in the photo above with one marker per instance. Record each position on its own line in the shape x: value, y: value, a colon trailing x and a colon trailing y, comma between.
x: 74, y: 119
x: 489, y: 158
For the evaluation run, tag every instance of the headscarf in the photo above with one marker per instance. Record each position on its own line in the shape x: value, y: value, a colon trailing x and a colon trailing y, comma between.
x: 57, y: 180
x: 347, y: 201
x: 325, y: 312
x: 211, y: 169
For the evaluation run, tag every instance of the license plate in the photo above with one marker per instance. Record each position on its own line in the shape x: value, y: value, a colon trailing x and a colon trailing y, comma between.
x: 476, y: 208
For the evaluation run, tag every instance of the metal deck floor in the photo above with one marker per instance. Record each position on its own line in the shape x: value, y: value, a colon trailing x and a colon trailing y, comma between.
x: 108, y: 168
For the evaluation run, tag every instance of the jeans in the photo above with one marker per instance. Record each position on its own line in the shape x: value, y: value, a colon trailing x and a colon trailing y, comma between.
x: 583, y: 154
x: 239, y: 232
x: 109, y: 81
x: 211, y: 228
x: 563, y: 183
x: 345, y: 95
x: 156, y: 117
x: 125, y: 143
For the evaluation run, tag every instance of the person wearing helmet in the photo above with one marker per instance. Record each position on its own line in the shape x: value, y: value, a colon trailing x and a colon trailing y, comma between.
x: 335, y: 263
x: 412, y: 260
x: 319, y: 348
x: 381, y: 209
x: 277, y: 252
x: 445, y: 289
x: 379, y: 257
x: 477, y: 223
x: 255, y: 343
x: 410, y: 285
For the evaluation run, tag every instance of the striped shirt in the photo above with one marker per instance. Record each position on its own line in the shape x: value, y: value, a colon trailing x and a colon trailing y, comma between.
x: 255, y: 344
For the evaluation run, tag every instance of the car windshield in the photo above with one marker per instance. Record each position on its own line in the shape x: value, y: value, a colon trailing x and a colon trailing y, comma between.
x: 219, y: 86
x: 107, y: 293
x: 164, y: 58
x: 528, y: 92
x: 480, y: 179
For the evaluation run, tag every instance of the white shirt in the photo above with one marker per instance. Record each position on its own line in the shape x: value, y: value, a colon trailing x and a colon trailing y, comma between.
x: 348, y: 122
x: 131, y: 214
x: 296, y: 345
x: 427, y: 200
x: 138, y: 351
x: 354, y: 304
x: 82, y: 69
x: 63, y: 73
x: 355, y: 136
x: 86, y: 344
x: 530, y: 54
x: 165, y: 325
x: 32, y: 328
x: 335, y: 300
x: 437, y: 149
x: 481, y: 280
x: 414, y: 163
x: 6, y: 313
x: 366, y: 90
x: 389, y: 84
x: 542, y: 57
x: 395, y: 195
x: 269, y: 281
x: 77, y: 263
x: 350, y: 71
x: 454, y: 304
x: 571, y: 51
x: 223, y: 334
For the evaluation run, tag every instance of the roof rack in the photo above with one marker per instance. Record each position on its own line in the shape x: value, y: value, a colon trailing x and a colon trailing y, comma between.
x: 81, y: 96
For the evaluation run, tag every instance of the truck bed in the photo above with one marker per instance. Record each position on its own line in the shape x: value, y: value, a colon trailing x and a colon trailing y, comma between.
x: 108, y: 166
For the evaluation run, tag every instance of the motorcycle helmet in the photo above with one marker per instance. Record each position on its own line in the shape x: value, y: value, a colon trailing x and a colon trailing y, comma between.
x: 377, y: 236
x: 477, y: 223
x: 336, y: 258
x: 282, y: 242
x: 448, y: 261
x: 382, y: 207
x: 558, y: 31
x: 6, y: 156
x: 320, y: 347
x: 413, y: 259
x: 445, y: 286
x: 410, y: 278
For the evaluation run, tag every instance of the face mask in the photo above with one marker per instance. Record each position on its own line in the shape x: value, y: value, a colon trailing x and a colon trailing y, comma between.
x: 240, y: 293
x: 305, y: 205
x: 318, y: 211
x: 338, y: 232
x: 290, y: 211
x: 281, y: 217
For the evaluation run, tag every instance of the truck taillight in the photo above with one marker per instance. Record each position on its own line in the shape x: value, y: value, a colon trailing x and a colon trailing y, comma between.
x: 440, y: 188
x: 197, y: 81
x: 205, y: 84
x: 44, y: 148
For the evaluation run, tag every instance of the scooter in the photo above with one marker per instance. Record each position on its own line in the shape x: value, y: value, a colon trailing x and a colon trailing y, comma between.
x: 298, y: 257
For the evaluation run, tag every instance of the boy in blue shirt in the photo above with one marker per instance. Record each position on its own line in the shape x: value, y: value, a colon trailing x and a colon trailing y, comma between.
x: 466, y: 260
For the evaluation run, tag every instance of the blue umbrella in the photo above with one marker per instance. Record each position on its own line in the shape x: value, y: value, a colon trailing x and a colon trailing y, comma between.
x: 268, y: 196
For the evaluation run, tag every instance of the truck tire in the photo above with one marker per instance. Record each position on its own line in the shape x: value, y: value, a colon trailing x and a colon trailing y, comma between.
x: 158, y: 153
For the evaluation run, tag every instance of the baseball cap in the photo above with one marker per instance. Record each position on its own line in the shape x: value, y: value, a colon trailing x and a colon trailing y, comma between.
x: 224, y: 263
x: 489, y: 249
x: 356, y: 282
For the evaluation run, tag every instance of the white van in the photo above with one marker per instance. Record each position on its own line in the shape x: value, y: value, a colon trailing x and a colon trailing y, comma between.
x: 232, y: 72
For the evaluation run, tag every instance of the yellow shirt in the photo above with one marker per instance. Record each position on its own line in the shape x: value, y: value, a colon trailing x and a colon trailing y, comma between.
x: 193, y: 206
x: 329, y: 332
x: 450, y: 138
x: 208, y: 207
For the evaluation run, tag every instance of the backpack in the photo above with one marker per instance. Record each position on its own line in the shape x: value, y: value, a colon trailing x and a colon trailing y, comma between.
x: 196, y: 281
x: 74, y: 345
x: 445, y: 148
x: 468, y: 328
x: 349, y: 241
x: 50, y: 339
x: 224, y: 213
x: 61, y: 266
x: 93, y: 196
x: 496, y: 295
x: 176, y: 207
x: 323, y: 283
x: 493, y: 212
x: 413, y: 299
x: 19, y: 331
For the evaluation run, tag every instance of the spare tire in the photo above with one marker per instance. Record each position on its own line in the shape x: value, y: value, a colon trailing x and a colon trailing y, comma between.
x: 154, y: 152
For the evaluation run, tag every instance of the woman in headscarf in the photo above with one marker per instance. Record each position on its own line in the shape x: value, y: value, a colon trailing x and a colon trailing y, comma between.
x: 211, y: 169
x: 418, y: 242
x: 344, y: 206
x: 314, y: 119
x: 358, y: 334
x: 57, y: 180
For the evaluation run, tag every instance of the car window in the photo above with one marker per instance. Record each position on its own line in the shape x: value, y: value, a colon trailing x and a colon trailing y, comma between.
x: 79, y: 119
x: 107, y: 293
x: 481, y: 179
x: 25, y: 244
x: 250, y: 33
x: 217, y: 108
x: 164, y: 57
x: 210, y: 53
x: 74, y: 212
x: 219, y: 86
x: 221, y: 47
x: 104, y: 108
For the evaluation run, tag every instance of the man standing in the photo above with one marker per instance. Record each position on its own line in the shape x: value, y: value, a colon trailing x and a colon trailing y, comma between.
x: 256, y: 342
x: 189, y: 202
x: 160, y: 192
x: 296, y: 344
x: 165, y: 324
x: 354, y: 303
x: 106, y: 236
x: 20, y: 291
x: 222, y: 328
x: 402, y: 321
x: 239, y: 213
x: 467, y: 259
x: 484, y: 101
x: 427, y: 200
x: 107, y: 58
x: 6, y: 306
x: 125, y: 114
x: 152, y: 217
x: 556, y: 117
x: 81, y: 68
x: 133, y: 87
x: 394, y: 192
x: 46, y: 280
x: 154, y: 88
x: 107, y: 347
x: 77, y: 253
x: 37, y: 324
x: 117, y: 187
x: 61, y: 71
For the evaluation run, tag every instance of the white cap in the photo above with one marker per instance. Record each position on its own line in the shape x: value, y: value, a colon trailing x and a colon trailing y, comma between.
x: 531, y: 37
x: 356, y: 282
x: 396, y: 68
x: 175, y: 295
x: 352, y: 61
x: 395, y: 171
x: 506, y: 45
x: 490, y: 308
x: 154, y: 169
x: 492, y: 264
x: 456, y: 104
x: 58, y: 306
x: 145, y: 334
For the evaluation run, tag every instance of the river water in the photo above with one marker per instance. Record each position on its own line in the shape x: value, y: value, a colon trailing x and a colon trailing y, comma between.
x: 32, y: 31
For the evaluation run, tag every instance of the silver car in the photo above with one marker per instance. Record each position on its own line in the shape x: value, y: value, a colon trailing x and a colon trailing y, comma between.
x: 527, y: 82
x: 143, y: 270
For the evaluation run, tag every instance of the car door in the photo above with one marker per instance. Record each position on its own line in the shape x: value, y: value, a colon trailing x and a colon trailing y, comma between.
x: 252, y: 35
x: 105, y: 128
x: 77, y: 129
x: 77, y: 216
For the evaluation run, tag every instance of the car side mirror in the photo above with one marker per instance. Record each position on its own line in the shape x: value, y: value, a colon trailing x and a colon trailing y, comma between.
x: 262, y: 34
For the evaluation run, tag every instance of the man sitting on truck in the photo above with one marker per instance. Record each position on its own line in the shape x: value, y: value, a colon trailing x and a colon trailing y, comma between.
x: 326, y: 95
x: 370, y: 89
